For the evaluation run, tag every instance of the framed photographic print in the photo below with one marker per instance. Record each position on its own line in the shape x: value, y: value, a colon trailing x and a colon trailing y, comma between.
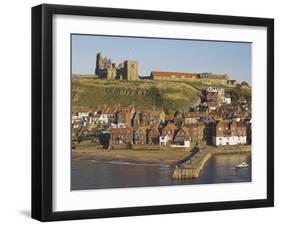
x: 146, y: 112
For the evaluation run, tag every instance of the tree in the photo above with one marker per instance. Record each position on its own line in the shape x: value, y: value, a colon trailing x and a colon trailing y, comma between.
x: 244, y: 83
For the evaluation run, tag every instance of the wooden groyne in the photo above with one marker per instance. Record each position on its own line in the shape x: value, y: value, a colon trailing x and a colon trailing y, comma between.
x: 193, y: 166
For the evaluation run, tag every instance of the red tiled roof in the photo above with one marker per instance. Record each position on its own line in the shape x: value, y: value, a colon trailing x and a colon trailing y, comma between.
x: 214, y: 113
x: 122, y: 130
x: 155, y: 129
x: 143, y: 128
x: 84, y: 110
x: 194, y: 115
x: 109, y: 110
x: 241, y: 124
x: 170, y: 126
x: 169, y: 117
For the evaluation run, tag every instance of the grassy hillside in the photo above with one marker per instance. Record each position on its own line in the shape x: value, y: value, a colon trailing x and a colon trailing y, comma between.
x: 171, y: 96
x: 235, y: 92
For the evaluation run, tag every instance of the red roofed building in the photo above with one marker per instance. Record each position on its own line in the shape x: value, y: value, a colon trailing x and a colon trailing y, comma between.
x: 169, y: 130
x: 122, y: 136
x: 181, y: 136
x: 193, y: 117
x: 140, y: 136
x: 161, y: 75
x: 153, y: 135
x: 196, y: 131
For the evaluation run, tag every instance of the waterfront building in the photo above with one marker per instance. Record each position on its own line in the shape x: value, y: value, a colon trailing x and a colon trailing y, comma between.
x: 153, y: 135
x: 196, y: 131
x: 121, y: 136
x: 168, y: 131
x: 229, y: 133
x: 163, y: 140
x: 140, y: 135
x: 182, y: 137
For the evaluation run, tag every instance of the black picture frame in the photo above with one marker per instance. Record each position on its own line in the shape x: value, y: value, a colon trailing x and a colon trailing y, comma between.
x: 42, y: 111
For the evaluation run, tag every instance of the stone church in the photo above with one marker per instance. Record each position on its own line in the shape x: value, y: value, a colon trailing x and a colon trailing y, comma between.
x: 105, y: 69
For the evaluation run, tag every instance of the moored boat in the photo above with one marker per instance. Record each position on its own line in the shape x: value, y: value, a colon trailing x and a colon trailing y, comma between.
x: 242, y: 165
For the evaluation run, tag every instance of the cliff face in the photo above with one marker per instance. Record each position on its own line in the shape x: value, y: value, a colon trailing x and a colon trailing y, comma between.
x: 170, y: 96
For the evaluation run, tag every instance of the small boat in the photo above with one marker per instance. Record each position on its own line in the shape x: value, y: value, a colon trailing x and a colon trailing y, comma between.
x: 242, y: 165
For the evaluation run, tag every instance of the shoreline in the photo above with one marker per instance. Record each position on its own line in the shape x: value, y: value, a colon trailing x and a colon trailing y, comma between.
x: 147, y: 157
x: 125, y: 162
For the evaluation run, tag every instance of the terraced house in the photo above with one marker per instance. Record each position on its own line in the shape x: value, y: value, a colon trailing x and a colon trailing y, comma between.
x: 140, y: 135
x: 182, y: 137
x: 167, y: 134
x: 153, y: 135
x: 229, y: 133
x: 196, y: 131
x: 121, y: 136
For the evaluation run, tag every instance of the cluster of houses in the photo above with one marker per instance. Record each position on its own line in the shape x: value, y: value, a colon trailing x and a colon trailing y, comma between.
x: 130, y: 126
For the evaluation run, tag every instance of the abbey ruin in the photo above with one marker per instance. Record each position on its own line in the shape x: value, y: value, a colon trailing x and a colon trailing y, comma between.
x: 105, y: 69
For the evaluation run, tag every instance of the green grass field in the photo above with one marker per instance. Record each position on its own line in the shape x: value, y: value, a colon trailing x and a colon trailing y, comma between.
x: 170, y: 96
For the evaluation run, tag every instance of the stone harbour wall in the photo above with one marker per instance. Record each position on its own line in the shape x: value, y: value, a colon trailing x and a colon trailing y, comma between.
x: 192, y: 168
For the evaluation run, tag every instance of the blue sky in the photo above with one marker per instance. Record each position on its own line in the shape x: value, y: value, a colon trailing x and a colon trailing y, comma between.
x: 152, y: 54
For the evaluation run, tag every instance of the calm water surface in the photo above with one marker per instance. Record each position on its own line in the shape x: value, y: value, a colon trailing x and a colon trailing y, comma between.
x: 89, y: 174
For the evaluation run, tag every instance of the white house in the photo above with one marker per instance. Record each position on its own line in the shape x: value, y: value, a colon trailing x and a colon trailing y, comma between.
x: 226, y: 100
x: 220, y: 91
x: 121, y: 125
x: 83, y: 113
x: 185, y: 145
x: 163, y: 140
x: 108, y: 116
x: 231, y: 140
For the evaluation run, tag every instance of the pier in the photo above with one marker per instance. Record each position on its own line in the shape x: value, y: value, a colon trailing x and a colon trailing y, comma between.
x: 191, y: 166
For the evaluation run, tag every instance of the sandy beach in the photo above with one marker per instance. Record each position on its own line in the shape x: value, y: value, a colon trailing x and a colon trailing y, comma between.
x: 137, y: 156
